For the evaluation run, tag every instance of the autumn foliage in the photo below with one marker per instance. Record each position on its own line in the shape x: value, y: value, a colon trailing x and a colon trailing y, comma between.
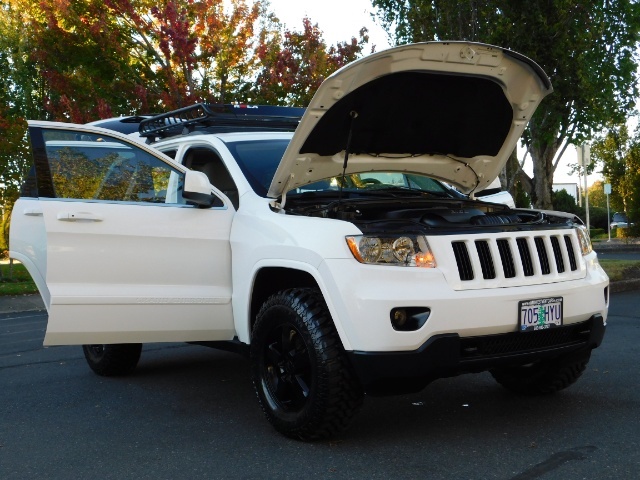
x: 93, y: 59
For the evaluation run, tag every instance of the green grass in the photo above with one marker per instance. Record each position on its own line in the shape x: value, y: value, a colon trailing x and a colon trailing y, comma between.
x: 621, y: 269
x: 17, y: 281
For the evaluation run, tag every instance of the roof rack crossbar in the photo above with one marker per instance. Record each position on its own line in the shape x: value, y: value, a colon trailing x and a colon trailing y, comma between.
x: 201, y: 116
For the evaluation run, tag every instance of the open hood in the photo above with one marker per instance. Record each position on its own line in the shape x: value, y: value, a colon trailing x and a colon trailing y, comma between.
x: 450, y: 110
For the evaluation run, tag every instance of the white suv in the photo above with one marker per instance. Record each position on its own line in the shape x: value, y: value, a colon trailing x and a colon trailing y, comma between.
x: 333, y: 257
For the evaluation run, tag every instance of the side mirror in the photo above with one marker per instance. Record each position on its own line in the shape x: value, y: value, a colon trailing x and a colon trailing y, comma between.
x: 197, y: 190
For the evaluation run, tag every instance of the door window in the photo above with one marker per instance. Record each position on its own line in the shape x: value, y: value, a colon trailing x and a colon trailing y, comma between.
x: 94, y: 167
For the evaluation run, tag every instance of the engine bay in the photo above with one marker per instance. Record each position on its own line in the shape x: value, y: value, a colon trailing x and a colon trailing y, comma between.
x: 438, y: 215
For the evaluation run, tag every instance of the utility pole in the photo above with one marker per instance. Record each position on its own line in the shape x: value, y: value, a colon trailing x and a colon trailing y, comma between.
x: 607, y: 192
x: 584, y: 156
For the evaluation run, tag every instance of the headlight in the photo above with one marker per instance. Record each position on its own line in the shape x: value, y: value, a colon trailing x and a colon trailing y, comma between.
x: 585, y: 241
x: 399, y: 250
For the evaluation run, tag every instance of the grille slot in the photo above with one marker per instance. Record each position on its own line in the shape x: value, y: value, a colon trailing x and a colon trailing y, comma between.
x: 486, y: 262
x: 572, y: 256
x: 542, y: 256
x: 525, y: 256
x: 463, y: 260
x: 508, y: 264
x: 557, y: 254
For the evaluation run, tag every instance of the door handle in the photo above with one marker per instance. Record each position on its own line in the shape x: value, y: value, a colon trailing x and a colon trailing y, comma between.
x: 32, y: 212
x: 78, y: 216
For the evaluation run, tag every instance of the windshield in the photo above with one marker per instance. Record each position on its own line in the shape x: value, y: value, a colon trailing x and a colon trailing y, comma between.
x: 372, y: 182
x: 259, y: 159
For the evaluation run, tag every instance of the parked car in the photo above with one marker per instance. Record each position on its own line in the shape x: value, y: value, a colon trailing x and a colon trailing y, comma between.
x: 334, y: 257
x: 619, y: 220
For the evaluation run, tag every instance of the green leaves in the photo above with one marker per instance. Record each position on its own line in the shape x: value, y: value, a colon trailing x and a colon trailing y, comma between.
x: 81, y: 60
x: 587, y: 48
x: 619, y: 154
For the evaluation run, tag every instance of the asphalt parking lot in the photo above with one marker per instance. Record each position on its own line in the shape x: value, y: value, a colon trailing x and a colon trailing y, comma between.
x: 190, y: 412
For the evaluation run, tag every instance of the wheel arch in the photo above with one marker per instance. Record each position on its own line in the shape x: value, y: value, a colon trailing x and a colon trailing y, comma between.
x: 270, y: 279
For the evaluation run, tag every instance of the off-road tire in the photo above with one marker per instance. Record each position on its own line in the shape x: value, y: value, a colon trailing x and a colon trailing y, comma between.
x: 113, y: 360
x: 543, y: 377
x: 299, y: 369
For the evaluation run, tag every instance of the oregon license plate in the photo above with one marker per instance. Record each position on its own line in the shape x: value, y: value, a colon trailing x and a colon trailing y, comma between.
x: 540, y: 314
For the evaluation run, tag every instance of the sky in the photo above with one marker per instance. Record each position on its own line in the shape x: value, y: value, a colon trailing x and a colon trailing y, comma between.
x: 340, y: 20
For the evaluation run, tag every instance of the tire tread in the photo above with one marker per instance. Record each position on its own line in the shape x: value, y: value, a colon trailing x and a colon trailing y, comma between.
x: 341, y: 395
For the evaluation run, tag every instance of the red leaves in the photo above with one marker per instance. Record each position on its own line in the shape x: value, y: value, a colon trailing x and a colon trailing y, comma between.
x: 101, y: 58
x: 293, y: 73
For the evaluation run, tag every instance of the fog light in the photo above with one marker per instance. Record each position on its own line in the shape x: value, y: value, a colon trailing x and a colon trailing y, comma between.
x: 399, y: 318
x: 408, y: 319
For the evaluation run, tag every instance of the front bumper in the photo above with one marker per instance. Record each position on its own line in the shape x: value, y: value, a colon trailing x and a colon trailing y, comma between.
x: 362, y: 297
x: 448, y: 355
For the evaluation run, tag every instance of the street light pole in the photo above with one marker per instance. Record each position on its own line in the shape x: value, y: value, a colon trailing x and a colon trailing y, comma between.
x: 584, y: 154
x: 607, y: 192
x: 2, y: 187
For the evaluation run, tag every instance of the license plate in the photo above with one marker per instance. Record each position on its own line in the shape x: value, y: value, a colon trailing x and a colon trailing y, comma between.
x: 540, y: 314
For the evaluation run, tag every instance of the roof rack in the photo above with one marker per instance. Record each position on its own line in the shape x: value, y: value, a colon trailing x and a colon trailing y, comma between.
x: 213, y: 118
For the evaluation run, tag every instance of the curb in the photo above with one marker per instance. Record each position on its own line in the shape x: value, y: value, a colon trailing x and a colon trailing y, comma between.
x: 21, y: 303
x: 606, y: 247
x: 625, y: 285
x: 618, y: 249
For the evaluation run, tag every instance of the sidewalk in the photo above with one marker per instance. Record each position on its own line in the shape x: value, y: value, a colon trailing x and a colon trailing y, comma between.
x: 617, y: 244
x: 20, y: 303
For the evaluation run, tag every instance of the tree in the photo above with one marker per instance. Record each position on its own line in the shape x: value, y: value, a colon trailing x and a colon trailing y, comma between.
x: 87, y: 59
x: 231, y: 40
x: 14, y: 41
x: 619, y: 154
x: 293, y: 66
x: 79, y: 57
x: 192, y: 51
x: 597, y: 198
x: 587, y: 48
x: 564, y: 202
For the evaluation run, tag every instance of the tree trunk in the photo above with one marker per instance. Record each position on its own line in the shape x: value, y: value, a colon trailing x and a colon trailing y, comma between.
x: 223, y: 88
x: 542, y: 177
x: 512, y: 176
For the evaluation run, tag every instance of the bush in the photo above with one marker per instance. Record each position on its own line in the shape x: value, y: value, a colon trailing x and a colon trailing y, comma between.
x: 520, y: 197
x: 563, y: 201
x: 3, y: 236
x: 598, y: 218
x: 627, y: 232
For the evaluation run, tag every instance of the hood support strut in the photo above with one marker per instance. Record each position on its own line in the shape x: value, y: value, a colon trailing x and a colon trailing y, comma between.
x: 353, y: 115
